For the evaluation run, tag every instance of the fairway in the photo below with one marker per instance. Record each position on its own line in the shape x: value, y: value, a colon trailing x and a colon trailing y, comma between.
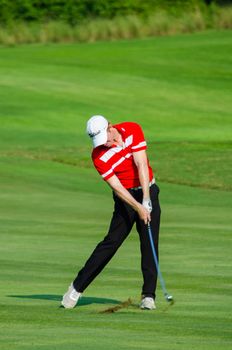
x: 54, y: 207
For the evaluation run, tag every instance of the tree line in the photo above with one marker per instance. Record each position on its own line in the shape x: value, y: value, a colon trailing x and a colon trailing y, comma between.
x: 75, y: 11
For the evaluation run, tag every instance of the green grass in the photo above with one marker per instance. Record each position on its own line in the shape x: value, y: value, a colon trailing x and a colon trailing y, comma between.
x: 54, y: 208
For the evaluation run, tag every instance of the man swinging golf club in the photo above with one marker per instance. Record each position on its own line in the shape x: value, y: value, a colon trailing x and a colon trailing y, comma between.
x: 119, y: 155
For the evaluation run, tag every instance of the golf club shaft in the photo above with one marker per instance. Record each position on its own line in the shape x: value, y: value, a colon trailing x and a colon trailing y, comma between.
x: 156, y: 262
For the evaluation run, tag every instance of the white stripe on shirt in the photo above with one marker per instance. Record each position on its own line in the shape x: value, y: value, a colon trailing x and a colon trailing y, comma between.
x: 128, y: 140
x: 141, y: 144
x: 110, y: 153
x: 128, y: 155
x: 107, y: 173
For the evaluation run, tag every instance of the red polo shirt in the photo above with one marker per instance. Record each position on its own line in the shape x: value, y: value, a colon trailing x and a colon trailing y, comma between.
x: 118, y: 160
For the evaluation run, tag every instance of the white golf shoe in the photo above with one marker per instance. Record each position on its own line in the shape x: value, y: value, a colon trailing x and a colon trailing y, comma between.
x: 70, y: 298
x: 147, y: 303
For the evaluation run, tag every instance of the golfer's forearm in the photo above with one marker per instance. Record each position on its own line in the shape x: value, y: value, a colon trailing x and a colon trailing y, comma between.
x: 140, y: 159
x: 122, y: 192
x: 127, y: 197
x: 144, y: 179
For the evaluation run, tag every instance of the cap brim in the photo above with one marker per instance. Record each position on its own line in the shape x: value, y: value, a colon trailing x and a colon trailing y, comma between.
x: 100, y: 139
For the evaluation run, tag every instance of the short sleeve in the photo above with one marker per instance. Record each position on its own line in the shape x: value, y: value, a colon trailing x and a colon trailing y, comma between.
x: 139, y: 142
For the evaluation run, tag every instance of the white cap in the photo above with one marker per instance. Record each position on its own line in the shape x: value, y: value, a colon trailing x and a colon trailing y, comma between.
x: 97, y: 129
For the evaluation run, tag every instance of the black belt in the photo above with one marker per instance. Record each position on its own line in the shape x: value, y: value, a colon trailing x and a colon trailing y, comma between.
x: 152, y: 182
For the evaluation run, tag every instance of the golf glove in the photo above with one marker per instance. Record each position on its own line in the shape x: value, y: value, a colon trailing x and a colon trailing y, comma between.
x: 147, y: 204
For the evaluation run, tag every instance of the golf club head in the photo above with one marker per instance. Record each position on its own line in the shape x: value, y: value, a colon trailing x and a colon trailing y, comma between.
x: 169, y: 299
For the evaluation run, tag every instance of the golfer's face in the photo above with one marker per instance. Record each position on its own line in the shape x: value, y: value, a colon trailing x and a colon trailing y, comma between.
x: 110, y: 137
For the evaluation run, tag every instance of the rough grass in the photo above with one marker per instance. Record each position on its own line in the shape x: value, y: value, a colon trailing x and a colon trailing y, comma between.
x: 128, y: 27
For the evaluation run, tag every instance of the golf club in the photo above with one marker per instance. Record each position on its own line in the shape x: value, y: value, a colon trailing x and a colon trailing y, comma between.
x: 168, y: 297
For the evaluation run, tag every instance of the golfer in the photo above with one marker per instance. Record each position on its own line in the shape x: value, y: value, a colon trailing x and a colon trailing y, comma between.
x: 119, y: 155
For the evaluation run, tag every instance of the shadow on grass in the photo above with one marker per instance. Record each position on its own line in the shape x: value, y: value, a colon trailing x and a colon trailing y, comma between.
x: 83, y: 301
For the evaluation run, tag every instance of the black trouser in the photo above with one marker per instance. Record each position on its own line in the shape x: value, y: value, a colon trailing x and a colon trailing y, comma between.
x: 121, y: 224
